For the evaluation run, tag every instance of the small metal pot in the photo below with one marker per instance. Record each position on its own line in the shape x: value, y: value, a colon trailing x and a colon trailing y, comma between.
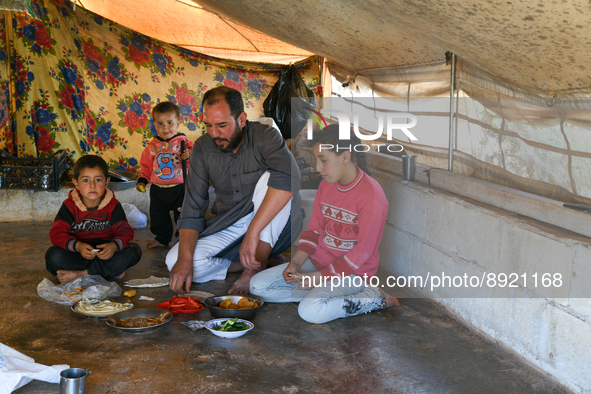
x: 73, y: 381
x: 212, y: 304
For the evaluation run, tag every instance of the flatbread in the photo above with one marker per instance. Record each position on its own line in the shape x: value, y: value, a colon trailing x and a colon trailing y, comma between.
x: 198, y: 295
x: 73, y: 295
x: 152, y: 281
x: 101, y: 308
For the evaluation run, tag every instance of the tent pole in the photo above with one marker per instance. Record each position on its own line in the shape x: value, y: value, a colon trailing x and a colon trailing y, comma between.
x: 452, y: 113
x: 11, y: 123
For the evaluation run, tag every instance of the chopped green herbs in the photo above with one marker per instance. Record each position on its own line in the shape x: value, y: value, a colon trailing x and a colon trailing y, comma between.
x: 231, y: 325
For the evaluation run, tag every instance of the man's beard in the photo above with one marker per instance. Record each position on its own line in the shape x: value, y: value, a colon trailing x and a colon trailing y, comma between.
x: 233, y: 143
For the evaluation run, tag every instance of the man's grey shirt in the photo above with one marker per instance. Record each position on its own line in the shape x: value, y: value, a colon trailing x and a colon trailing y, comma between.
x: 234, y: 177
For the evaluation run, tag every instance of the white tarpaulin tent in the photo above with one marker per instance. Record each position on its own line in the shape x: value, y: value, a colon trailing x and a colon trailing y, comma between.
x: 540, y: 45
x: 523, y: 63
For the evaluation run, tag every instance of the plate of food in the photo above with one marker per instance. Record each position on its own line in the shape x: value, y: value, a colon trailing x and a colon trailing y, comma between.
x: 139, y: 319
x: 229, y: 328
x: 102, y: 308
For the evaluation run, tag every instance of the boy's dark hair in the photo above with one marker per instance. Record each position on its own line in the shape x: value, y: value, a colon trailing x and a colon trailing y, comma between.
x: 231, y: 96
x: 164, y: 107
x: 330, y: 136
x: 90, y: 161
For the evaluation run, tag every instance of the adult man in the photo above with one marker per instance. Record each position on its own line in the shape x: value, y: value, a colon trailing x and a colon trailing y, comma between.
x: 256, y: 182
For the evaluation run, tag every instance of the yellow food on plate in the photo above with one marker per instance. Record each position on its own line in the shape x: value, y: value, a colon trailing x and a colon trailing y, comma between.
x: 130, y: 293
x: 101, y: 308
x: 245, y: 303
x: 225, y: 304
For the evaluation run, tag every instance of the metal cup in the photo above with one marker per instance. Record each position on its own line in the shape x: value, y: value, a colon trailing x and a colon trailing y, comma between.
x: 408, y: 167
x: 73, y: 381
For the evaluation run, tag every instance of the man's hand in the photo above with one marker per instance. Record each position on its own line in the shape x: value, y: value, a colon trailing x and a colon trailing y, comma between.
x: 272, y: 203
x: 182, y: 271
x: 248, y: 251
x: 86, y: 250
x: 181, y: 274
x: 108, y: 250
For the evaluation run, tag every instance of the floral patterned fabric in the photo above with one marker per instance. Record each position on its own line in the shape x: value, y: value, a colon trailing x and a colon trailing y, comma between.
x: 82, y: 83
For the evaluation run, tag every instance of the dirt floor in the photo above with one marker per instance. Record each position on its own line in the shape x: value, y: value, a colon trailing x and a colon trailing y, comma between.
x: 417, y: 348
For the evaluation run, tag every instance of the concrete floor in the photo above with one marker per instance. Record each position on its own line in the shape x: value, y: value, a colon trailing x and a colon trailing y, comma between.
x: 417, y: 348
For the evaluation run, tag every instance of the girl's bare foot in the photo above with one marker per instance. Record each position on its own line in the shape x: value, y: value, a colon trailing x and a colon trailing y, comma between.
x: 154, y: 244
x: 121, y: 276
x: 65, y: 276
x: 392, y: 301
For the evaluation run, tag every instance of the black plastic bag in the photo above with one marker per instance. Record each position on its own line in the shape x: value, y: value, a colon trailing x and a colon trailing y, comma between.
x: 289, y: 89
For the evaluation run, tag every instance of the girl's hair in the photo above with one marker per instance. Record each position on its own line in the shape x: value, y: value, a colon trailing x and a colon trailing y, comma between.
x: 90, y: 161
x: 330, y: 136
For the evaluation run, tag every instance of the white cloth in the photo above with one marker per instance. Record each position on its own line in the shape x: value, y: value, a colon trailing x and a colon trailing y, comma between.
x: 206, y: 267
x: 16, y: 370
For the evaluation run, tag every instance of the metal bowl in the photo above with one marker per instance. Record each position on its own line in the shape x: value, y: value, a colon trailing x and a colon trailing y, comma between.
x: 165, y: 316
x: 212, y: 304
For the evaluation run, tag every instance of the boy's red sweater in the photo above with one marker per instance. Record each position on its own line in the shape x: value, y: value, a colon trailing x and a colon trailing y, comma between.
x: 74, y: 222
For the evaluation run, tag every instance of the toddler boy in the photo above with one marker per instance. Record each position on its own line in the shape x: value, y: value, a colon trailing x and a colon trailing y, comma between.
x: 161, y: 166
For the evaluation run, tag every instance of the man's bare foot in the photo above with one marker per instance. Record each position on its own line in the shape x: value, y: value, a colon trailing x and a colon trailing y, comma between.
x: 235, y: 266
x: 65, y: 276
x: 242, y: 285
x: 275, y: 260
x: 154, y: 244
x: 121, y: 276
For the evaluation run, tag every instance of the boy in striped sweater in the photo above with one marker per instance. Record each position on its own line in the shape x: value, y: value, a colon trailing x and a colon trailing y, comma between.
x: 90, y: 233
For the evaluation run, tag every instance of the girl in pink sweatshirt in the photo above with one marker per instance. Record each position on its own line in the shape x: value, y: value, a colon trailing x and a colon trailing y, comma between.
x: 338, y: 253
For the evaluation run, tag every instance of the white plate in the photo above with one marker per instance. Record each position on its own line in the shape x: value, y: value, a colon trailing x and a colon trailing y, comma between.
x: 121, y: 300
x: 227, y: 334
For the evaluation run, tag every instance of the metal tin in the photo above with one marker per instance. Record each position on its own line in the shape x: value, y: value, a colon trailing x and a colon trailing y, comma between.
x: 73, y: 380
x: 212, y: 302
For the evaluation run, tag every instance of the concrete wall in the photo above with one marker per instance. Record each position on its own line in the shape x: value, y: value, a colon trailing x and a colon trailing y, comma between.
x: 27, y: 205
x: 432, y: 230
